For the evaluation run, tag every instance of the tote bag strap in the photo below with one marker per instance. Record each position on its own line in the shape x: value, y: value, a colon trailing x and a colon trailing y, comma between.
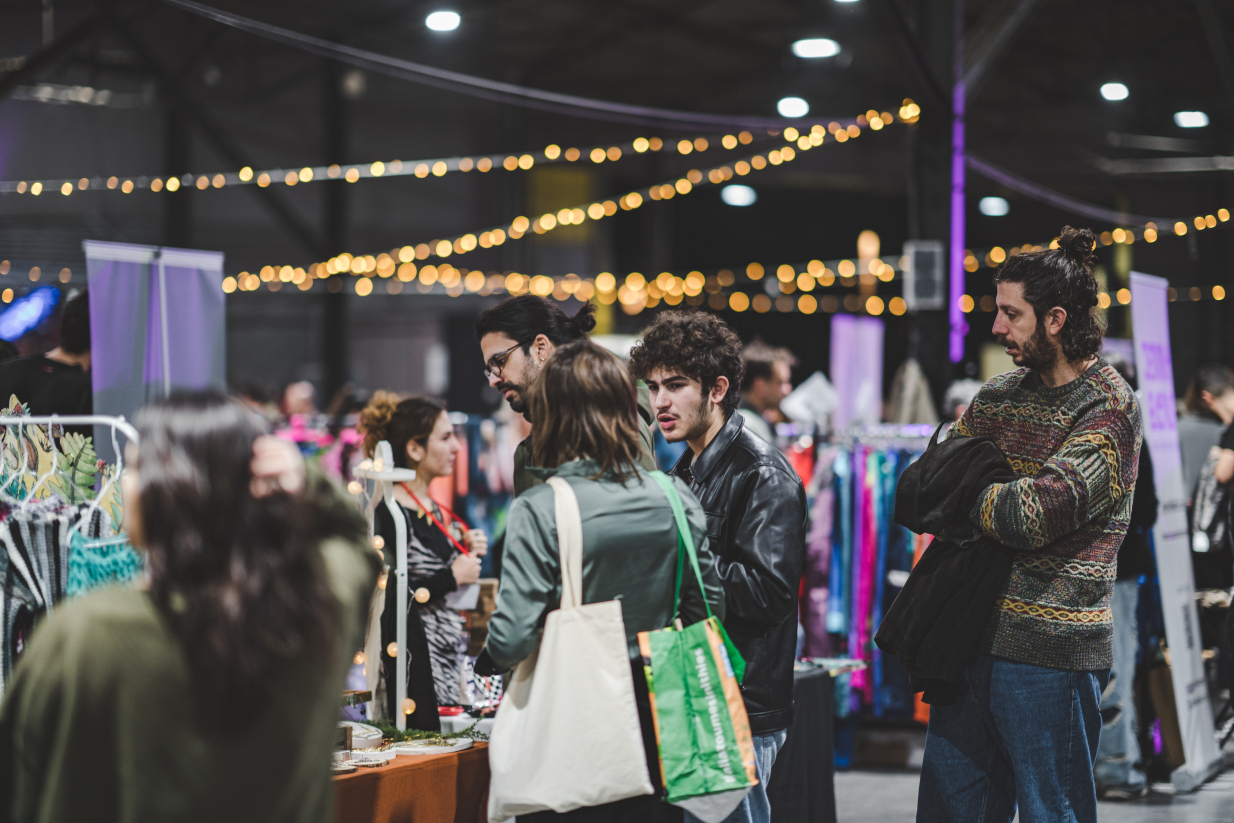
x: 685, y: 540
x: 569, y: 543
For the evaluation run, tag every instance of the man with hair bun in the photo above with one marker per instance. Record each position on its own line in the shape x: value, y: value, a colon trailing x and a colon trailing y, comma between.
x: 516, y: 336
x: 1025, y: 728
x: 756, y: 515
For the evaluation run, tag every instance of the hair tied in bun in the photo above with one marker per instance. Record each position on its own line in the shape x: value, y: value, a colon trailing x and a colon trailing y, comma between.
x: 584, y: 319
x: 1079, y: 246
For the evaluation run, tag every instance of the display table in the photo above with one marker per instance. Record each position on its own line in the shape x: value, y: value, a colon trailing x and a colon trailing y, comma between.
x: 802, y: 786
x: 425, y: 788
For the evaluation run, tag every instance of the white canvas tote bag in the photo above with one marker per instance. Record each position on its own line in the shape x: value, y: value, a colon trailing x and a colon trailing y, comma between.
x: 567, y: 733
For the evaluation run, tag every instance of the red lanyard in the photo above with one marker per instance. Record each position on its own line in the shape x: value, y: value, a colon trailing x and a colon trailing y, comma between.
x: 437, y: 522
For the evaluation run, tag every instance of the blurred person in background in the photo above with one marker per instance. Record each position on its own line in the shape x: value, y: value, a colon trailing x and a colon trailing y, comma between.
x: 1209, y: 404
x: 260, y: 579
x: 298, y: 399
x: 57, y: 382
x: 768, y: 380
x: 442, y: 554
x: 692, y: 364
x: 957, y: 397
x: 516, y: 337
x: 586, y: 429
x: 1117, y: 771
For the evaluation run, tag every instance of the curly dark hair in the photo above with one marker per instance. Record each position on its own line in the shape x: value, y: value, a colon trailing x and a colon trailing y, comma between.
x: 1062, y: 278
x: 696, y: 344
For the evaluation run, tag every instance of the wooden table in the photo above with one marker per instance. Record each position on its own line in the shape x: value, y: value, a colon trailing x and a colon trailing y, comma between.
x: 424, y: 788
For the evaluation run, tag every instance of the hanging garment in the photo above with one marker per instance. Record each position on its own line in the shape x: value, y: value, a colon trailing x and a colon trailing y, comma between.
x: 20, y: 608
x: 841, y: 553
x: 97, y: 563
x: 814, y: 606
x: 37, y: 542
x: 911, y: 401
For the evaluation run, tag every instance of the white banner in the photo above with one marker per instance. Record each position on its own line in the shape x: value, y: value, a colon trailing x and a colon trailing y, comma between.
x: 1155, y: 373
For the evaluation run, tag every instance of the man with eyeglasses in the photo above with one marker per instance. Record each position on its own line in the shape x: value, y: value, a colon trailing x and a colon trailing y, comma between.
x: 516, y: 337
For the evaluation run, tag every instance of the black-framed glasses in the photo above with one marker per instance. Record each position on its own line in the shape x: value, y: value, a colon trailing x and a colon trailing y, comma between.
x: 498, y: 361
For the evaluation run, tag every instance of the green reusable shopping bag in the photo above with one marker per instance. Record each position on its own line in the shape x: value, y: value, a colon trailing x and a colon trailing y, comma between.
x: 693, y: 676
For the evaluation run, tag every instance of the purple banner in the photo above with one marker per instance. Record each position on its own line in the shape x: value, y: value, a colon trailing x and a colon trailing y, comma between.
x: 857, y: 369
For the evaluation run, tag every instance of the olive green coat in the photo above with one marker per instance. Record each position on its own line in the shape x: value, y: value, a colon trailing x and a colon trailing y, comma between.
x: 629, y: 552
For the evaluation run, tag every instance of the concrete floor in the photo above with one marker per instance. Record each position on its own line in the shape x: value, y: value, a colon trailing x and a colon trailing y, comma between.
x: 890, y: 796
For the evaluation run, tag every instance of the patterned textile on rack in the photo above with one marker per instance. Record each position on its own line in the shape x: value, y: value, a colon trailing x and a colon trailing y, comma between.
x: 818, y: 560
x: 838, y: 603
x: 35, y: 568
x: 20, y: 607
x: 33, y: 572
x: 867, y: 557
x: 37, y: 543
x: 97, y: 563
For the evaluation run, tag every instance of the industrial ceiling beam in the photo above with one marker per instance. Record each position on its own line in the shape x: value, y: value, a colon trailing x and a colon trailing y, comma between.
x: 914, y: 54
x: 989, y: 41
x: 279, y: 208
x: 48, y: 55
x: 1212, y: 27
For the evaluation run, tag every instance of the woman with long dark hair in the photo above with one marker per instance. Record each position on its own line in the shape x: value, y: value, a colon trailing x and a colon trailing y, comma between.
x: 443, y: 555
x: 214, y: 693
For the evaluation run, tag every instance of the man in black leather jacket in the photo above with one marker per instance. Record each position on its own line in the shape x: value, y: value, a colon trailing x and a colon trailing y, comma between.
x: 756, y: 514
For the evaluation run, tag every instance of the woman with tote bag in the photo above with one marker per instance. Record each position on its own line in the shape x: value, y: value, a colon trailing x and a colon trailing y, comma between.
x: 574, y: 738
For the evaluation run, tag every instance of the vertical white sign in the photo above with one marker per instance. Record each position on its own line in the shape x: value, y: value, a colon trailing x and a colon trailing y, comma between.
x: 1155, y: 374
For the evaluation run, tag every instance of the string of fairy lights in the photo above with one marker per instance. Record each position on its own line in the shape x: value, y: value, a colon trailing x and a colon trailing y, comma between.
x: 520, y: 226
x: 789, y: 288
x: 1149, y: 232
x: 439, y: 167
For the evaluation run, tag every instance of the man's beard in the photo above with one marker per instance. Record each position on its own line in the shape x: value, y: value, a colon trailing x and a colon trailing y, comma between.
x: 1036, y: 353
x: 695, y: 423
x: 518, y: 401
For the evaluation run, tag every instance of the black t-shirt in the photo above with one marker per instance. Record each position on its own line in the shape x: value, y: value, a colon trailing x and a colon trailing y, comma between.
x: 1227, y: 438
x: 46, y: 386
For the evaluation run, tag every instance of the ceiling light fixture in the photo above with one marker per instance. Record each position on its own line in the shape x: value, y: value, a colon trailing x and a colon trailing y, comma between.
x: 792, y: 107
x: 442, y: 20
x: 994, y: 206
x: 816, y: 47
x: 736, y: 195
x: 1190, y: 119
x: 1114, y: 91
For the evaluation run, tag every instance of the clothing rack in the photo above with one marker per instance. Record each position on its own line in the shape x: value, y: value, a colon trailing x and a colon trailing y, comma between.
x: 858, y: 557
x: 38, y: 537
x: 383, y: 474
x: 116, y: 424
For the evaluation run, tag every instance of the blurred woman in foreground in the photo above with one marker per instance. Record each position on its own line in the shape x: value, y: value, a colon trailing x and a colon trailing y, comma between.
x: 214, y: 694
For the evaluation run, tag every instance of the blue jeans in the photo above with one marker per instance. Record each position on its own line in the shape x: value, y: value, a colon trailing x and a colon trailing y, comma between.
x: 1018, y: 734
x: 1120, y: 750
x: 756, y: 807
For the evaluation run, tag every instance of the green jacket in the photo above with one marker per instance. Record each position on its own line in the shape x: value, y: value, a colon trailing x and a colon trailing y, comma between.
x: 525, y: 479
x: 101, y: 721
x: 629, y: 551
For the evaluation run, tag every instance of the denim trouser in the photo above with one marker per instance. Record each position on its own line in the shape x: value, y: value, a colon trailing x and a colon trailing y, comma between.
x: 756, y: 807
x: 1120, y: 750
x: 1017, y: 733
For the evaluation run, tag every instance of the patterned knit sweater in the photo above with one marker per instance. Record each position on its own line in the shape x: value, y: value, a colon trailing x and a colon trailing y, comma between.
x: 1076, y: 450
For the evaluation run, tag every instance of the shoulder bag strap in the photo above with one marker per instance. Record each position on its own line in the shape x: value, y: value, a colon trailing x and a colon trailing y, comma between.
x: 685, y: 540
x: 569, y: 543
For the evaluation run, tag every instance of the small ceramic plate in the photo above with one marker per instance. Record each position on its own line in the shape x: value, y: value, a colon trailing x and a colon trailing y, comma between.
x: 434, y: 746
